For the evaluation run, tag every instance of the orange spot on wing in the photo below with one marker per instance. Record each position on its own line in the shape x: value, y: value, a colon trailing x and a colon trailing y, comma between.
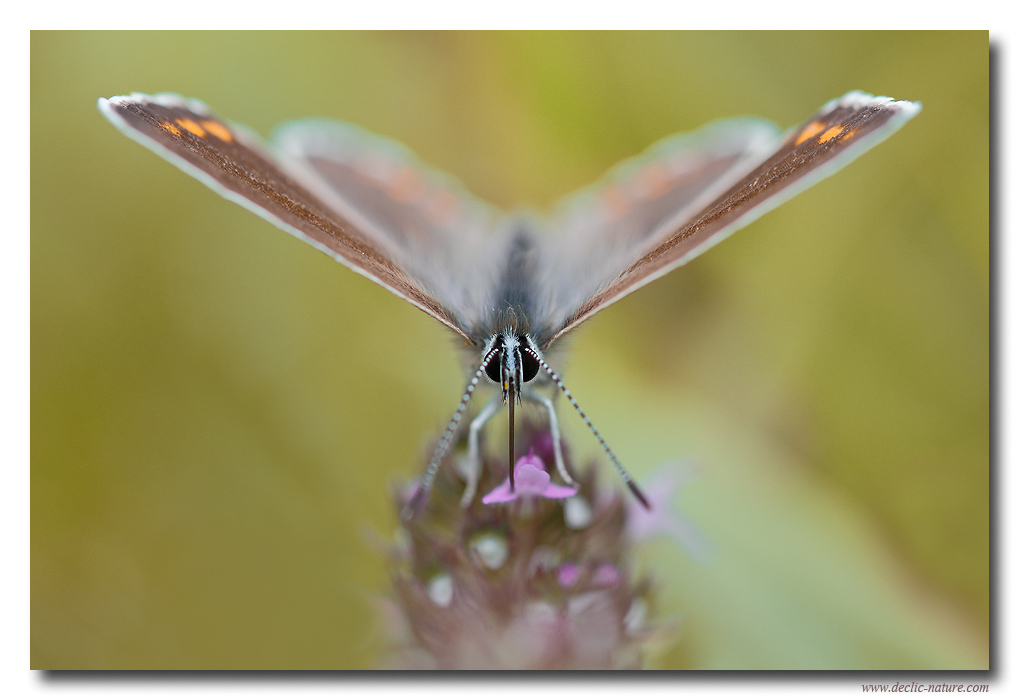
x: 218, y: 130
x: 830, y: 134
x: 191, y: 126
x: 441, y: 207
x: 171, y: 128
x: 809, y: 131
x: 616, y: 202
x: 652, y: 182
x: 406, y: 186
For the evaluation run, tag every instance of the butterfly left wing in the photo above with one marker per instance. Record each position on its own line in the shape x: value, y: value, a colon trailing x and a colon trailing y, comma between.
x: 839, y: 132
x: 235, y: 163
x: 436, y: 230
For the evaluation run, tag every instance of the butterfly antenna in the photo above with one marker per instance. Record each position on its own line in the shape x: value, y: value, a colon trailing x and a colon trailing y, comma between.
x: 425, y: 485
x: 625, y: 475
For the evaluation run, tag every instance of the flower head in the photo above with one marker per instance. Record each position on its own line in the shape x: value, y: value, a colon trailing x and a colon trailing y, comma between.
x: 546, y: 583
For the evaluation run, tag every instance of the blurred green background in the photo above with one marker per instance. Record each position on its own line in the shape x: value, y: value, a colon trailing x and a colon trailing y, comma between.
x: 219, y: 411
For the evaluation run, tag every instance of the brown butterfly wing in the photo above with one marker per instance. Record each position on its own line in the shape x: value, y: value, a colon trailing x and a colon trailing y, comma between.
x: 436, y: 231
x: 840, y: 131
x: 233, y: 162
x: 606, y: 227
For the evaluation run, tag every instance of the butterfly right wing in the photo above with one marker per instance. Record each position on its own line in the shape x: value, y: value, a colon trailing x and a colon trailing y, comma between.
x: 236, y: 164
x: 840, y: 131
x: 605, y: 227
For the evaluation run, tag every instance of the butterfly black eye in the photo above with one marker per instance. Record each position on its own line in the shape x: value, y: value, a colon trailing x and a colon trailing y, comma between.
x: 494, y: 369
x: 529, y: 366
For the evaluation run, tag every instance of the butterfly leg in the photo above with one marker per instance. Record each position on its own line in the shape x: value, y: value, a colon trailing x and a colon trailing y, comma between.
x: 473, y: 452
x: 553, y: 426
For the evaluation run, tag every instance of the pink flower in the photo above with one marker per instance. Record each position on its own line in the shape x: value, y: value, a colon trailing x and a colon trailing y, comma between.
x: 568, y: 575
x: 531, y: 479
x: 606, y: 576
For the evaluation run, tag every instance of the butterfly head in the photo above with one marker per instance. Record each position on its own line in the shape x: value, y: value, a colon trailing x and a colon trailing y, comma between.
x: 511, y: 359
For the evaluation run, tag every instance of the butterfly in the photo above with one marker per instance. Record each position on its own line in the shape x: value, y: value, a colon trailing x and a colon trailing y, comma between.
x: 510, y: 285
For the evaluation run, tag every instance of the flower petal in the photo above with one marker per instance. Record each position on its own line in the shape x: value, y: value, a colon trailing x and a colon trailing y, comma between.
x: 530, y: 479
